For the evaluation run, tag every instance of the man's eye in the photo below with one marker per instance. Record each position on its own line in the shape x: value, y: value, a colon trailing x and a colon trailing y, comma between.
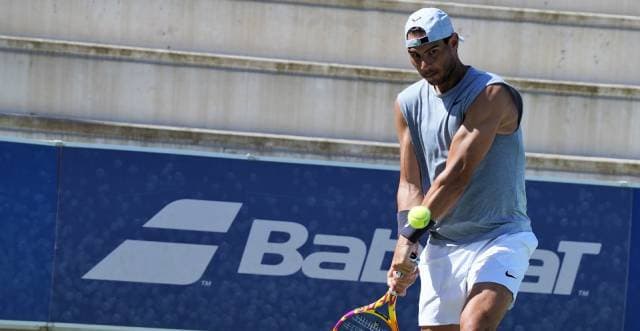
x: 433, y: 52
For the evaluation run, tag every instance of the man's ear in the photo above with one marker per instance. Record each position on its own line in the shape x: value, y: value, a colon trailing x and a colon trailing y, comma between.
x: 453, y: 42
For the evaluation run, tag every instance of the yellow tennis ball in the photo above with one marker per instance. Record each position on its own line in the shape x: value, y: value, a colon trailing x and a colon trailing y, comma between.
x: 419, y: 217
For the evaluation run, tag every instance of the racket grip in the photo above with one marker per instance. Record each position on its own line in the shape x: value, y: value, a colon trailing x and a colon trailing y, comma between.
x: 413, y: 257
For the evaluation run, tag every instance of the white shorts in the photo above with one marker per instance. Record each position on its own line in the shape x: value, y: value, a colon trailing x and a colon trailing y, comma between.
x: 447, y: 273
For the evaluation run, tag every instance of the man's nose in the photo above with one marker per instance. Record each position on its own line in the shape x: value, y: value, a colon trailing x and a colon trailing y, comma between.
x: 424, y: 65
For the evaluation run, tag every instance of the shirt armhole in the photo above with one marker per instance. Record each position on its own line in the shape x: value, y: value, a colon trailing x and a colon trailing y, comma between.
x: 517, y: 100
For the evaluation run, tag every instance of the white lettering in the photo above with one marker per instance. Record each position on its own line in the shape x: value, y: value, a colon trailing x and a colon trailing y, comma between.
x: 258, y: 245
x: 552, y: 275
x: 546, y: 272
x: 352, y: 260
x: 573, y: 251
x: 381, y: 243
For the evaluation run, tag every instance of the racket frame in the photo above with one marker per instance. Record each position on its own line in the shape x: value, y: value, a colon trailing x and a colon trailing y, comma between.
x: 388, y: 298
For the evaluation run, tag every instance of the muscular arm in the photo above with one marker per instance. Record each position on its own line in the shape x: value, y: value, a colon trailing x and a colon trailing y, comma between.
x: 409, y: 195
x: 410, y: 186
x: 493, y: 112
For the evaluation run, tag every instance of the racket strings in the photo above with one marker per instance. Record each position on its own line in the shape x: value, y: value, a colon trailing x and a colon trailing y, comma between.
x: 369, y: 318
x: 365, y: 322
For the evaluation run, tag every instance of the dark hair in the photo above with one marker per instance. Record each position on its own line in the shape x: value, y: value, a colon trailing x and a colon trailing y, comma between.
x: 415, y: 29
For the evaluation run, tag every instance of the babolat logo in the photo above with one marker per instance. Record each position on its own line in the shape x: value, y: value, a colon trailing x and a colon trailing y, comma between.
x: 163, y: 262
x: 547, y: 273
x: 183, y: 264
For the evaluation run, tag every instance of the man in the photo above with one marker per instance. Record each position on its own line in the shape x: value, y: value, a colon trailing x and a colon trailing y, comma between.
x: 462, y: 157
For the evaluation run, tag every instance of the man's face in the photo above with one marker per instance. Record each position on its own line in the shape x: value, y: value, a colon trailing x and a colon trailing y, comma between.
x: 434, y: 61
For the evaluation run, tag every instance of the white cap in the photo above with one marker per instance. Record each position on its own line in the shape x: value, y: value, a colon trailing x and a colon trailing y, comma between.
x: 433, y: 21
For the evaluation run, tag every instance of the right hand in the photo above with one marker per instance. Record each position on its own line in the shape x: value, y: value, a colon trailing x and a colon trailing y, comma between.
x: 404, y: 270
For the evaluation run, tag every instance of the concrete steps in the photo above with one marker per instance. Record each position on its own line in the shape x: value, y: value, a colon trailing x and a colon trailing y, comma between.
x: 619, y: 7
x: 532, y: 43
x: 560, y: 168
x: 209, y: 91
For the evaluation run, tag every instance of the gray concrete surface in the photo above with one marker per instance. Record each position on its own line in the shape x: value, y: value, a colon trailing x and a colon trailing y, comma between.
x: 98, y: 82
x: 511, y: 41
x: 616, y: 7
x: 551, y: 167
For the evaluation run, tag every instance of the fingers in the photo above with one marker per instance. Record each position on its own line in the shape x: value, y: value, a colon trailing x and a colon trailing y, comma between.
x: 404, y: 259
x: 401, y: 276
x: 399, y: 282
x: 406, y: 267
x: 403, y: 271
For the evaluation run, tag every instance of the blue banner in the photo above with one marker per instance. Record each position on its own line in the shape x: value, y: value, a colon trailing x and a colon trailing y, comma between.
x: 632, y: 322
x: 27, y: 228
x: 577, y: 276
x: 285, y: 251
x: 293, y: 246
x: 215, y: 243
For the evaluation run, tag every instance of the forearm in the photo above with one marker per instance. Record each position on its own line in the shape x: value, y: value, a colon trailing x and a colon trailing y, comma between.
x: 409, y: 195
x: 443, y: 194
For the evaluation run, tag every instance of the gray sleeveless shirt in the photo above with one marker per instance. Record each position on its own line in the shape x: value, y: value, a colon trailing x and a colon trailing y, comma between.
x: 494, y: 203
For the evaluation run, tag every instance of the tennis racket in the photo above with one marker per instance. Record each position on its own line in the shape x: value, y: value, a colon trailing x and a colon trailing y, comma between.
x: 371, y: 317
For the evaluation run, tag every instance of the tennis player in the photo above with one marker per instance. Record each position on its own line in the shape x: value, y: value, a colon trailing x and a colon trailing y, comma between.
x: 462, y: 157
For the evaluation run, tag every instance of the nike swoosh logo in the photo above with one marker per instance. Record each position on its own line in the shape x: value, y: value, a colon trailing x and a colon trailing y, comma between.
x: 415, y: 19
x: 506, y: 273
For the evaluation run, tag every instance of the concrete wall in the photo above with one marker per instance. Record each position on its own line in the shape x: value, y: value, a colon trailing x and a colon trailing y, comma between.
x: 285, y: 97
x: 511, y: 41
x: 617, y: 7
x: 252, y: 146
x: 199, y: 97
x: 306, y: 92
